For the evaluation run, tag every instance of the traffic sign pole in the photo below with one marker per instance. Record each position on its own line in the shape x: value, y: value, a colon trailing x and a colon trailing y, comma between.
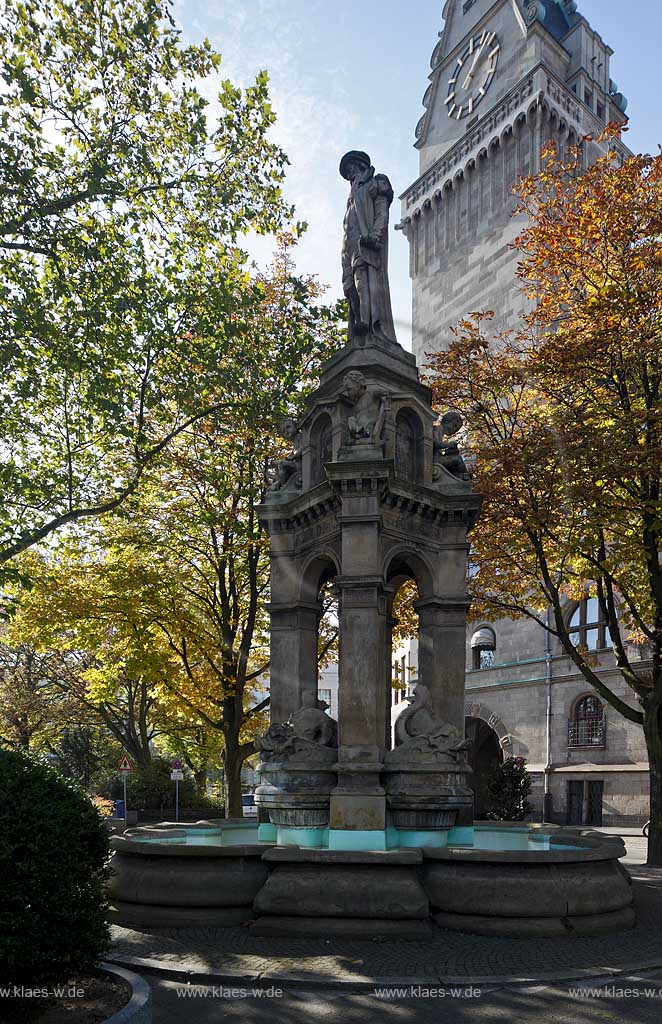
x: 177, y: 774
x: 125, y: 767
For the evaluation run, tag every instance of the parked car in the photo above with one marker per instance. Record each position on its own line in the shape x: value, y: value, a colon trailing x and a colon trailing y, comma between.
x: 248, y: 804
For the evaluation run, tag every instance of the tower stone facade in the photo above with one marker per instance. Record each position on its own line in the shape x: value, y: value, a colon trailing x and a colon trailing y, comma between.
x: 506, y: 78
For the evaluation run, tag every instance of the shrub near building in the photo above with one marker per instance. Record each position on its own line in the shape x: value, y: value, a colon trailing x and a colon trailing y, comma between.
x: 53, y: 854
x: 507, y: 791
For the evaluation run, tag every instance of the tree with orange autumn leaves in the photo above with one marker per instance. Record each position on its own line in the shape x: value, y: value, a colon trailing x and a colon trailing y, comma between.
x: 564, y: 419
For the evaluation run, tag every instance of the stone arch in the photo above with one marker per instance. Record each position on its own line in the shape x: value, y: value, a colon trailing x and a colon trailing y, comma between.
x: 582, y: 699
x: 485, y: 754
x: 495, y: 722
x: 404, y: 563
x: 317, y: 571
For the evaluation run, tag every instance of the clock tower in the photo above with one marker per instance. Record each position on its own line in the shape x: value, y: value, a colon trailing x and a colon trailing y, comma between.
x: 507, y: 77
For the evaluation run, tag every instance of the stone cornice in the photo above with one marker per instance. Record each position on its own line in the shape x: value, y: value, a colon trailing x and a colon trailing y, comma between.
x: 539, y: 87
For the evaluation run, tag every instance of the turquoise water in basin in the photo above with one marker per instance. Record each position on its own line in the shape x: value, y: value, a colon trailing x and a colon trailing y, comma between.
x: 464, y: 838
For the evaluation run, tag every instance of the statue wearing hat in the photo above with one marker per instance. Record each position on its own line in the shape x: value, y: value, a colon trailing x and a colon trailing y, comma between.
x: 365, y: 249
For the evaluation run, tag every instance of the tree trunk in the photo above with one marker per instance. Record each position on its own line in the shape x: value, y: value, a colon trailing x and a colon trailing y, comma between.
x: 201, y: 780
x: 654, y: 745
x: 232, y: 762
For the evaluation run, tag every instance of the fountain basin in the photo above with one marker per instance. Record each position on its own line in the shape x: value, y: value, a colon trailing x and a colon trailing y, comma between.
x: 573, y: 884
x: 490, y: 879
x: 159, y: 880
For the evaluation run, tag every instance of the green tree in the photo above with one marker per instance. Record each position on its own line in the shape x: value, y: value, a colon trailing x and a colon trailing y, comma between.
x: 32, y: 711
x: 53, y: 855
x: 170, y: 597
x: 508, y: 788
x: 123, y: 290
x: 98, y: 650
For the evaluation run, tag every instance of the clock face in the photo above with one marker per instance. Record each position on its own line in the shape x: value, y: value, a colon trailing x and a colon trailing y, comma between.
x: 472, y: 74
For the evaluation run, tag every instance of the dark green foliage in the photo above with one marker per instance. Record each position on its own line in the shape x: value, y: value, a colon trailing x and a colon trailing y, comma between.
x: 53, y: 853
x: 78, y: 755
x: 508, y: 787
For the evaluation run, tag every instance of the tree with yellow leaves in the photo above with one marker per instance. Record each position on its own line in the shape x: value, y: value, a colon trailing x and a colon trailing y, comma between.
x: 177, y: 585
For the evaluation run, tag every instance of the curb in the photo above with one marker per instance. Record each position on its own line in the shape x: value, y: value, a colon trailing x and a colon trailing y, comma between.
x: 138, y: 1010
x: 363, y: 983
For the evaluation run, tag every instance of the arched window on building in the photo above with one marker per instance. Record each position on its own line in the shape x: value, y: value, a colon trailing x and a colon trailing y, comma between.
x: 586, y: 727
x: 483, y: 646
x: 587, y: 626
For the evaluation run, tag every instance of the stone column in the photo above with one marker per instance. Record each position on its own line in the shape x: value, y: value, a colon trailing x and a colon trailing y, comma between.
x: 391, y: 623
x: 358, y: 802
x: 294, y: 630
x: 442, y: 637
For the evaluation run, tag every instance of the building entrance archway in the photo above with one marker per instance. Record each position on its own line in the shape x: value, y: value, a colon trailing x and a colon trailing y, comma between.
x: 486, y: 752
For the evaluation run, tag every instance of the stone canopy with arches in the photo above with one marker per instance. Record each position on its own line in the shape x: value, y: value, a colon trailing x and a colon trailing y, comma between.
x: 383, y: 497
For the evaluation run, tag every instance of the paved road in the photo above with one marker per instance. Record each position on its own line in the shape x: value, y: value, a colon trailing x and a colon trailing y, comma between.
x: 173, y: 1004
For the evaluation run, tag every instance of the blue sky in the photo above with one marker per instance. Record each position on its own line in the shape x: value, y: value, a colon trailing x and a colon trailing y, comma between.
x: 347, y: 74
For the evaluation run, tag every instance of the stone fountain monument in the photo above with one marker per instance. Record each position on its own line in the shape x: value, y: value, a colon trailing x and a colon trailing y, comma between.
x: 361, y: 833
x: 372, y: 494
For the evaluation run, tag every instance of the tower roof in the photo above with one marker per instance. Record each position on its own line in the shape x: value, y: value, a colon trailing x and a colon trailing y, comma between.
x: 557, y: 16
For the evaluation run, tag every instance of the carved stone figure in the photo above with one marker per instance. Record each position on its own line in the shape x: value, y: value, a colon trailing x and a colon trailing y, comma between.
x: 288, y: 470
x: 308, y: 735
x: 366, y: 422
x: 418, y: 731
x: 312, y: 723
x: 365, y: 249
x: 446, y: 453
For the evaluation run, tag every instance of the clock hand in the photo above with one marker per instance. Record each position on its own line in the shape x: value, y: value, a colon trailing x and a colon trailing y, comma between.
x: 473, y: 66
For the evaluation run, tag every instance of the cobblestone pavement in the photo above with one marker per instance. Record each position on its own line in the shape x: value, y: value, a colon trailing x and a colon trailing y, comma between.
x: 448, y: 956
x: 635, y: 999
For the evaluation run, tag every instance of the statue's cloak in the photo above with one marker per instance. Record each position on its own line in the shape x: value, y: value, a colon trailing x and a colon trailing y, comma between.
x: 368, y: 214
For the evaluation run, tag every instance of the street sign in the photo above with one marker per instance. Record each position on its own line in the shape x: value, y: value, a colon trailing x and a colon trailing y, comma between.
x: 177, y: 775
x: 177, y: 765
x: 124, y: 768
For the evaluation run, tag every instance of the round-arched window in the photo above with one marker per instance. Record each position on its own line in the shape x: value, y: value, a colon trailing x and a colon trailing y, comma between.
x: 587, y: 725
x: 483, y: 648
x: 587, y: 626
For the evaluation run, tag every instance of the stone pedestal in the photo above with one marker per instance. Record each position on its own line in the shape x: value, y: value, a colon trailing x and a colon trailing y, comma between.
x: 425, y: 797
x: 296, y: 795
x: 322, y: 892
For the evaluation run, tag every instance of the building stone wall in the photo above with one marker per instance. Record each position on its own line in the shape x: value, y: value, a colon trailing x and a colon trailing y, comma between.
x: 515, y: 690
x: 552, y: 83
